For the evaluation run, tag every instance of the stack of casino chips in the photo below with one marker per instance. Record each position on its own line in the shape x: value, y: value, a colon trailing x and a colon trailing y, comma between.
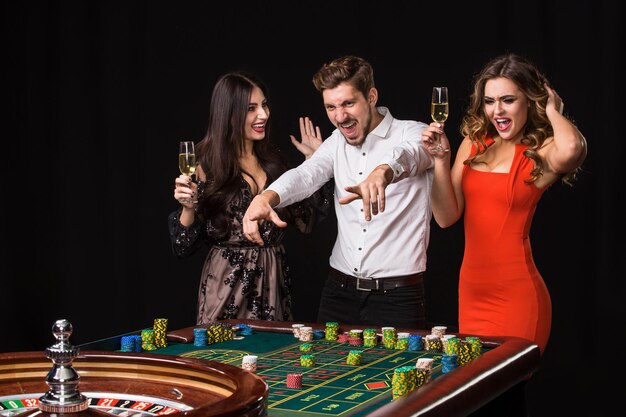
x: 306, y: 347
x: 439, y: 331
x: 244, y: 329
x: 138, y: 342
x: 160, y: 331
x: 200, y: 337
x: 295, y: 328
x: 432, y: 343
x: 370, y: 338
x: 403, y: 381
x: 415, y: 342
x: 249, y: 362
x: 389, y: 337
x: 421, y: 376
x: 343, y: 337
x: 219, y: 333
x: 306, y: 334
x: 452, y: 346
x: 147, y: 339
x: 425, y: 364
x: 331, y: 330
x: 307, y: 361
x: 449, y: 363
x: 465, y: 353
x: 127, y: 344
x: 318, y: 334
x: 402, y: 341
x: 294, y: 380
x: 477, y: 345
x: 354, y: 357
x: 444, y: 341
x: 355, y: 337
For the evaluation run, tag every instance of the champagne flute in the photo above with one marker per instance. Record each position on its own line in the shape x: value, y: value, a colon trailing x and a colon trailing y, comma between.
x: 439, y: 110
x: 187, y: 162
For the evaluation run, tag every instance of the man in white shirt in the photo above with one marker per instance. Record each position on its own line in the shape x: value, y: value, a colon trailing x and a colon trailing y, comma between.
x: 376, y: 266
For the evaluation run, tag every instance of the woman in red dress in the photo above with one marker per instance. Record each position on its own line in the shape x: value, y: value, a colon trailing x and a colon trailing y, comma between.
x: 517, y: 143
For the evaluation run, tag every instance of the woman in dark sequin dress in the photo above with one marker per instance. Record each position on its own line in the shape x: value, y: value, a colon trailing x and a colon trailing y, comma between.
x: 235, y: 162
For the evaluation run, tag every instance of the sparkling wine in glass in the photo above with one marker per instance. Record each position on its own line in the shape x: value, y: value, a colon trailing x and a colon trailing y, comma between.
x: 187, y: 161
x: 439, y: 109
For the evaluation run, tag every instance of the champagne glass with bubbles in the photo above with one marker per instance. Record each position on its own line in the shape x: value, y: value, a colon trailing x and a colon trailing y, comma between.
x: 439, y: 109
x: 187, y: 161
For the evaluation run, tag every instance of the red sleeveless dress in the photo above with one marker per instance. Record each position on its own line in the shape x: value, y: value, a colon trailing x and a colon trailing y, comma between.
x: 501, y: 292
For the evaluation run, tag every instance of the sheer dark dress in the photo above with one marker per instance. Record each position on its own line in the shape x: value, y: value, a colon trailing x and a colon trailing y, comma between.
x: 241, y: 279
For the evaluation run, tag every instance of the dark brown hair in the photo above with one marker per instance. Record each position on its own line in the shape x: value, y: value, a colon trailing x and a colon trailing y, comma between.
x: 351, y: 69
x: 218, y: 152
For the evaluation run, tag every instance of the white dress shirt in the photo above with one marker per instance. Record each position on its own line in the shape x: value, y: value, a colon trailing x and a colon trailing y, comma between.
x: 394, y: 242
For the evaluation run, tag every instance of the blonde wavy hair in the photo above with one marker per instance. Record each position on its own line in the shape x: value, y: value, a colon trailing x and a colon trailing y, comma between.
x: 477, y: 126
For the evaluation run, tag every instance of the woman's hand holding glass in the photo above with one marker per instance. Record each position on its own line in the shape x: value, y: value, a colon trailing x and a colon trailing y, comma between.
x: 439, y: 112
x: 186, y: 190
x: 435, y: 140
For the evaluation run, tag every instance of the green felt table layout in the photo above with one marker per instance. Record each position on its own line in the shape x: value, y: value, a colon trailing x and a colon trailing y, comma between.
x: 330, y: 387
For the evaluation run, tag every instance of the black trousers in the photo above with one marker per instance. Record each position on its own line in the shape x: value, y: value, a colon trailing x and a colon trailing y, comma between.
x: 403, y: 307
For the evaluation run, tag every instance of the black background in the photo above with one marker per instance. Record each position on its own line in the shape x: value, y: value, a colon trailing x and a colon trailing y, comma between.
x: 97, y: 96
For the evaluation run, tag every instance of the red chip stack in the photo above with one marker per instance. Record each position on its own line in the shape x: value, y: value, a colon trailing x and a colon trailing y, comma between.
x: 294, y: 380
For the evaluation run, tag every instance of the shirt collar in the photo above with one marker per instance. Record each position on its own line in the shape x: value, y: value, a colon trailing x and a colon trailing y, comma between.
x: 382, y: 130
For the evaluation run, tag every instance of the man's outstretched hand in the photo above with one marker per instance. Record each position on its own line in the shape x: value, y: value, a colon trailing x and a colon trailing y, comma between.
x: 371, y: 191
x: 260, y: 209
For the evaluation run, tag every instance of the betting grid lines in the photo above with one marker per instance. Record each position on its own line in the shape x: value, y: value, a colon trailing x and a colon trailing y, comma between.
x: 330, y: 387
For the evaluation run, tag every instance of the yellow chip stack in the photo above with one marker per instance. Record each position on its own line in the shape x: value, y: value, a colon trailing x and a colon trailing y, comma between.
x: 465, y: 353
x: 160, y: 332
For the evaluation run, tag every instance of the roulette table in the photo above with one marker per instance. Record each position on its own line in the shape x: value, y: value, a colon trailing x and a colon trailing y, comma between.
x: 124, y: 384
x: 330, y: 388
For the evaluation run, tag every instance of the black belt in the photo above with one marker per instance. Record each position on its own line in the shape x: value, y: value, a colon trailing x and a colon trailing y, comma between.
x: 375, y: 284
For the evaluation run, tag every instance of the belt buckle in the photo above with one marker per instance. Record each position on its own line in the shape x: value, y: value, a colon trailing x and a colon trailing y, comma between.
x: 358, y: 282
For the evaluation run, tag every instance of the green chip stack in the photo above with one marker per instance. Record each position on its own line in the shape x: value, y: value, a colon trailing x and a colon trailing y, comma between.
x: 332, y: 330
x: 354, y: 357
x: 306, y: 347
x: 147, y: 339
x: 370, y: 338
x: 452, y: 346
x: 403, y: 381
x: 477, y: 346
x: 402, y: 344
x: 389, y: 337
x: 307, y: 361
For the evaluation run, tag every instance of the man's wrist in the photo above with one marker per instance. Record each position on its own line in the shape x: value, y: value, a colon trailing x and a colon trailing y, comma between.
x: 387, y: 171
x: 272, y: 197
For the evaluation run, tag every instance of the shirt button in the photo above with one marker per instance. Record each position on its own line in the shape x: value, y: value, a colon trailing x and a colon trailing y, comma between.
x: 355, y: 270
x: 363, y: 153
x: 360, y: 173
x: 360, y: 248
x: 364, y: 230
